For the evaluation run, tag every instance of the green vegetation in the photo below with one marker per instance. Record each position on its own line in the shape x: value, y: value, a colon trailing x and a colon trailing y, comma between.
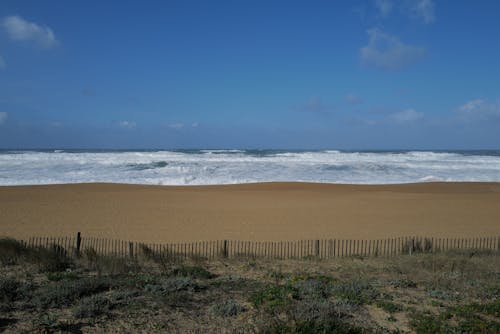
x: 91, y: 307
x: 43, y: 290
x: 62, y: 275
x: 273, y: 296
x: 192, y: 271
x: 389, y: 306
x: 228, y: 308
x: 65, y: 293
x: 448, y: 322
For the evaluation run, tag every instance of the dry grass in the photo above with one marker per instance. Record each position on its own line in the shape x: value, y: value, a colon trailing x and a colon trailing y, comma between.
x: 455, y: 292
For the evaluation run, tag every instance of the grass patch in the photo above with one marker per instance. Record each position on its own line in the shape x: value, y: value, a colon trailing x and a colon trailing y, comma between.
x: 389, y: 306
x: 112, y: 294
x: 192, y: 271
x: 11, y: 251
x: 65, y: 293
x: 404, y: 283
x: 109, y: 264
x: 46, y: 322
x: 62, y: 275
x: 8, y: 289
x: 173, y: 284
x: 273, y: 296
x: 48, y: 259
x: 91, y: 307
x: 357, y: 292
x: 228, y: 308
x: 461, y: 319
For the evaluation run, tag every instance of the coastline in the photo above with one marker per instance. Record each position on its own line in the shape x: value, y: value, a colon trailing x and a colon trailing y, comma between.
x: 253, y: 211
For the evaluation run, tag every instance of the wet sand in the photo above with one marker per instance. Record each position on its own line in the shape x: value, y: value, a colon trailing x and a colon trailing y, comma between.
x: 265, y: 211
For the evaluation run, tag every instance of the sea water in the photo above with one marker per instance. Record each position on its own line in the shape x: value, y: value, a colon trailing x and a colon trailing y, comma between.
x: 199, y: 167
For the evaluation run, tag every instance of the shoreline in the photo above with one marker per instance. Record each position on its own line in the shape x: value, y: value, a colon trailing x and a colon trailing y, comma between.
x: 270, y: 211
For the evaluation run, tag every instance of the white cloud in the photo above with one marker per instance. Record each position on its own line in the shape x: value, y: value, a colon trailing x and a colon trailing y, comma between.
x: 176, y: 125
x: 194, y: 125
x: 127, y: 124
x: 423, y: 9
x: 384, y: 7
x: 417, y: 9
x: 353, y: 99
x: 3, y: 117
x: 2, y: 63
x: 18, y: 29
x: 388, y: 52
x: 406, y: 116
x: 479, y: 110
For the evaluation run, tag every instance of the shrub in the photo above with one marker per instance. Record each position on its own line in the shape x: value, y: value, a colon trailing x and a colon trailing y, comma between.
x: 390, y: 306
x: 90, y: 254
x: 193, y: 272
x: 138, y: 281
x: 62, y: 275
x: 46, y: 322
x: 426, y: 324
x: 314, y: 326
x: 327, y: 326
x: 356, y: 292
x: 228, y: 308
x: 121, y: 297
x: 8, y: 289
x: 273, y: 296
x: 11, y: 291
x: 147, y: 252
x: 476, y: 325
x: 404, y: 283
x: 492, y: 291
x: 178, y: 299
x: 65, y: 293
x: 315, y: 311
x: 10, y: 251
x: 173, y: 284
x: 492, y: 308
x: 110, y: 264
x: 174, y: 291
x: 314, y: 288
x: 230, y: 283
x: 466, y: 321
x: 92, y: 306
x: 443, y: 295
x: 277, y: 275
x: 49, y: 259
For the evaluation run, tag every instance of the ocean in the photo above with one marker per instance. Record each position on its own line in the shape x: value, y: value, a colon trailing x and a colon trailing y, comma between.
x: 202, y: 167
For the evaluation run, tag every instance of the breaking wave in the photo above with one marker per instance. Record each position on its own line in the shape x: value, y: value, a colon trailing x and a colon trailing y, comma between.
x: 198, y: 167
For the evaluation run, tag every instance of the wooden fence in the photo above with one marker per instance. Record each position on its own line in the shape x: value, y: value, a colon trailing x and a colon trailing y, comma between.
x: 324, y: 248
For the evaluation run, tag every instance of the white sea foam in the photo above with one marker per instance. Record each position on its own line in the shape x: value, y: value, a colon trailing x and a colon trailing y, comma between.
x: 237, y: 166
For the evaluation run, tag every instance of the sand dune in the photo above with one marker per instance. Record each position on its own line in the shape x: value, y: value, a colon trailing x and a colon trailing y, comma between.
x: 266, y: 211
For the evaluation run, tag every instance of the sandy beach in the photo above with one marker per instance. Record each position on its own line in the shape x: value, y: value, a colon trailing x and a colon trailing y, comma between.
x: 266, y: 211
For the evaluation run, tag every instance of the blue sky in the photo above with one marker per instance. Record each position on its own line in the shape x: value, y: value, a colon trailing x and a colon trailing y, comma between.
x: 374, y: 74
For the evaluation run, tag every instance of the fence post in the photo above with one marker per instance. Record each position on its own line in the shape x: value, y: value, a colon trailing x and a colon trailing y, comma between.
x: 224, y: 250
x: 78, y: 243
x: 412, y: 245
x: 131, y: 249
x: 316, y: 248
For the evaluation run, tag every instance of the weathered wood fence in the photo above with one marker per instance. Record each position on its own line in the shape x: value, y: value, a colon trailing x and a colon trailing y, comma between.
x: 324, y: 248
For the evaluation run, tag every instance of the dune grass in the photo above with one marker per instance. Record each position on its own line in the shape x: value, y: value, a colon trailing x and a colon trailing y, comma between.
x: 43, y: 290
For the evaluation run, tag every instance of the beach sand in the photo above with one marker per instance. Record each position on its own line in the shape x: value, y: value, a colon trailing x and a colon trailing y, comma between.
x: 265, y: 211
